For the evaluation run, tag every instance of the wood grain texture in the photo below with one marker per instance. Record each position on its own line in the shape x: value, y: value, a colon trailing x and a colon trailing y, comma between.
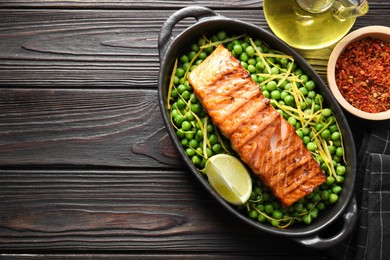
x: 105, y: 48
x: 111, y: 128
x: 115, y: 4
x: 163, y: 211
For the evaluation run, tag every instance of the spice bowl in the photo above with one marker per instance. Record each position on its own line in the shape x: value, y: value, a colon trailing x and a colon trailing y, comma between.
x: 351, y: 77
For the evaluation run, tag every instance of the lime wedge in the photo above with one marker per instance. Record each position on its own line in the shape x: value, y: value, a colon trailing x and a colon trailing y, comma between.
x: 229, y: 177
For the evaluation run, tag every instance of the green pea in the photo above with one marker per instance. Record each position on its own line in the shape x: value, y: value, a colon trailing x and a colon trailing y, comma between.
x: 275, y: 71
x: 336, y: 158
x: 261, y: 218
x: 332, y: 149
x: 190, y: 152
x: 326, y: 112
x: 213, y: 139
x: 185, y: 125
x: 325, y: 195
x: 216, y: 148
x: 306, y: 139
x: 310, y: 85
x: 244, y: 56
x: 251, y: 61
x: 320, y: 205
x: 209, y: 49
x: 311, y: 146
x: 307, y: 219
x: 186, y: 95
x: 311, y: 94
x: 268, y: 208
x: 184, y: 142
x: 339, y: 151
x: 333, y: 128
x: 199, y: 135
x: 314, y: 213
x: 319, y: 159
x: 221, y: 35
x: 189, y: 136
x: 324, y: 166
x: 304, y: 78
x: 251, y: 68
x: 266, y: 93
x: 253, y: 214
x: 284, y: 62
x: 335, y: 136
x: 180, y: 72
x: 292, y: 121
x: 319, y: 127
x: 305, y: 131
x: 298, y: 207
x: 336, y: 189
x: 309, y: 101
x: 275, y: 94
x: 260, y: 66
x: 180, y: 133
x: 271, y: 85
x: 210, y: 128
x: 181, y: 88
x: 337, y: 143
x: 299, y: 133
x: 303, y: 105
x: 289, y: 100
x: 237, y: 49
x: 254, y: 77
x: 319, y: 99
x: 196, y: 160
x: 340, y: 179
x: 196, y: 108
x: 303, y: 90
x: 202, y: 55
x: 340, y: 170
x: 325, y: 134
x: 194, y: 47
x: 178, y: 119
x: 277, y: 214
x: 181, y: 104
x: 330, y: 180
x: 333, y: 198
x: 250, y: 51
x: 193, y: 143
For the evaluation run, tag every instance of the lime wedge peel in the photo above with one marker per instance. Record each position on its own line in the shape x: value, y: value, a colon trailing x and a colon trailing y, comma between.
x: 229, y: 177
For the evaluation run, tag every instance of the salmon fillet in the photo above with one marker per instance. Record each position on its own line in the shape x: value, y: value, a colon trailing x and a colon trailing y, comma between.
x: 262, y: 138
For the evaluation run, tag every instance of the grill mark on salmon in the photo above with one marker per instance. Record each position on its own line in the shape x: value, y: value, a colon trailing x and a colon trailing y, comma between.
x: 258, y: 133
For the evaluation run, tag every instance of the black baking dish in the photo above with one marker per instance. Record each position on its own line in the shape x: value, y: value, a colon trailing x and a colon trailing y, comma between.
x: 207, y: 21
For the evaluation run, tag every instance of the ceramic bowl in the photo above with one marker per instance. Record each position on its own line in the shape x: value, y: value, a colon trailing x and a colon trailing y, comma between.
x: 380, y: 32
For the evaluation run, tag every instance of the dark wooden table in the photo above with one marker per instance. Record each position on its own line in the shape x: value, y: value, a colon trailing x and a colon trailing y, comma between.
x: 86, y: 166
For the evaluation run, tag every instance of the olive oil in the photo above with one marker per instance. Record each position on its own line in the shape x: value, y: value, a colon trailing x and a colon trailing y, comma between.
x: 302, y: 29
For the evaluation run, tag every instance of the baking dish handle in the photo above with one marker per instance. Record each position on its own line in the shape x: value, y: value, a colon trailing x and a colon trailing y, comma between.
x: 165, y: 37
x: 350, y: 218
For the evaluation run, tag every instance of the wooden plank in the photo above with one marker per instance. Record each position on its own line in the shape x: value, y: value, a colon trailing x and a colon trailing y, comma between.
x: 149, y: 256
x: 134, y: 4
x: 108, y: 48
x: 143, y: 211
x: 152, y: 4
x: 121, y: 128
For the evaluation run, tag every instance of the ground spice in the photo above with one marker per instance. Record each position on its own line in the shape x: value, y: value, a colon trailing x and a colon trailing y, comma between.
x: 363, y: 75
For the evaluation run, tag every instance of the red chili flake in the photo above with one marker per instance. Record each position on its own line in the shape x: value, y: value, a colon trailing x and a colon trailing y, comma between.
x: 363, y: 74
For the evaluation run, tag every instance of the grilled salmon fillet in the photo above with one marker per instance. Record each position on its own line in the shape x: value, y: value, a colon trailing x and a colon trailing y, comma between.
x: 262, y: 138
